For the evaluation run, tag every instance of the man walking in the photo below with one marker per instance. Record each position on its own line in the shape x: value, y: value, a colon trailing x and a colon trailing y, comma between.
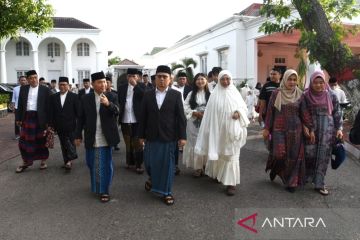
x: 98, y: 118
x: 162, y: 128
x: 32, y: 116
x: 87, y: 89
x: 15, y: 100
x: 64, y: 113
x: 130, y: 98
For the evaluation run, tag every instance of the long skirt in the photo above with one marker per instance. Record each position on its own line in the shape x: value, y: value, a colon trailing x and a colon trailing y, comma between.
x: 159, y: 162
x: 32, y: 140
x: 68, y: 148
x: 190, y: 159
x: 99, y: 161
x: 226, y: 169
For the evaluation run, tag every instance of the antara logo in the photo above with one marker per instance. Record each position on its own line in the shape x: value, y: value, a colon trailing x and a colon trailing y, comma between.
x: 284, y: 222
x: 242, y: 223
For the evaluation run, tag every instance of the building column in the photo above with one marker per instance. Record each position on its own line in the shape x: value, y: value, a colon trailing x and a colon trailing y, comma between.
x: 36, y: 60
x: 3, y: 75
x: 69, y: 66
x: 252, y: 62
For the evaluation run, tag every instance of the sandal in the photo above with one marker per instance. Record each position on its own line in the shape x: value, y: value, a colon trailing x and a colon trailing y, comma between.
x: 169, y: 200
x: 21, y: 168
x: 139, y: 170
x: 230, y: 190
x: 323, y: 191
x: 43, y: 166
x: 148, y: 185
x: 198, y: 173
x: 68, y: 166
x: 104, y: 198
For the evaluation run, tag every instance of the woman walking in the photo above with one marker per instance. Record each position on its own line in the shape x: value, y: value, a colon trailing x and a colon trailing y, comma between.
x: 223, y: 132
x: 327, y: 121
x: 194, y: 107
x: 286, y: 114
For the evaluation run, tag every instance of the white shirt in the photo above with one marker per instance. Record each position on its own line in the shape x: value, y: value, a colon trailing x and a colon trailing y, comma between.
x: 129, y: 115
x: 211, y: 85
x: 181, y: 89
x: 100, y: 140
x: 160, y: 96
x: 32, y: 98
x: 87, y: 91
x: 15, y: 96
x: 340, y: 94
x: 62, y: 98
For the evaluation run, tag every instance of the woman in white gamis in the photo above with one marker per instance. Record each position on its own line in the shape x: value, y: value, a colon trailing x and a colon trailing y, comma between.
x: 194, y: 107
x: 223, y: 132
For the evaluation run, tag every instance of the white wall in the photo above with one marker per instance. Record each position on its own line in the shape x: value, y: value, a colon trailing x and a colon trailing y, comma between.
x: 17, y: 63
x: 67, y: 37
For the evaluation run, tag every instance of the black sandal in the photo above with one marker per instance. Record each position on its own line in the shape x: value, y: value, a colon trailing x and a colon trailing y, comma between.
x: 21, y: 168
x: 104, y: 198
x: 169, y: 200
x: 148, y: 185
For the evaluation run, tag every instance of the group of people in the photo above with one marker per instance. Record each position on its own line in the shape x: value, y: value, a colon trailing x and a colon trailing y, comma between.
x: 156, y: 121
x: 204, y: 123
x: 300, y: 128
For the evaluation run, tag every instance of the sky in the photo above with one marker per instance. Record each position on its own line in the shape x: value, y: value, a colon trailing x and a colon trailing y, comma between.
x: 132, y: 28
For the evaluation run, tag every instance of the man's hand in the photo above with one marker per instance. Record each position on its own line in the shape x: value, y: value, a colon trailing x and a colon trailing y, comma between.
x: 104, y: 100
x: 142, y: 142
x: 18, y: 123
x: 312, y: 138
x: 133, y: 82
x: 77, y: 142
x: 181, y: 143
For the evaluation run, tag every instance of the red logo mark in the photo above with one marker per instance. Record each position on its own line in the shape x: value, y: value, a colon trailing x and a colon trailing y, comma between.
x: 242, y: 223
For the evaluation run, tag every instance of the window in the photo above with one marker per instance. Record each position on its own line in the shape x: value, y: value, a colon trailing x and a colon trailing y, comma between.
x: 83, y: 49
x: 20, y: 73
x: 53, y: 50
x: 22, y: 48
x: 83, y: 74
x: 203, y: 63
x: 223, y: 58
x: 280, y: 60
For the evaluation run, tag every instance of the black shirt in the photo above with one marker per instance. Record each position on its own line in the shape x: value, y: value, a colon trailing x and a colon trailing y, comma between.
x: 267, y: 90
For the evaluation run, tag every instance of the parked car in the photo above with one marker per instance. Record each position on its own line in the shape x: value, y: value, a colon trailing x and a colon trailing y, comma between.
x: 6, y: 90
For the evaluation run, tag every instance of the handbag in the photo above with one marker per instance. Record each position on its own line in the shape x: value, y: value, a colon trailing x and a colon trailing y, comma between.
x: 339, y: 152
x: 49, y: 138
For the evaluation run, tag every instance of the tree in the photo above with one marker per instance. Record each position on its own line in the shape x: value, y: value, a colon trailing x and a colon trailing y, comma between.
x: 114, y: 61
x: 186, y: 67
x: 28, y: 15
x: 321, y: 29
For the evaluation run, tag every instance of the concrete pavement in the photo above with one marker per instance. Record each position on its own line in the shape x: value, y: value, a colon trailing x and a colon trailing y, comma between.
x: 52, y: 204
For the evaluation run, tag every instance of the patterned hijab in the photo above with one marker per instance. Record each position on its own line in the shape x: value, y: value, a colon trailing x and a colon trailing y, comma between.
x: 285, y: 95
x: 319, y: 98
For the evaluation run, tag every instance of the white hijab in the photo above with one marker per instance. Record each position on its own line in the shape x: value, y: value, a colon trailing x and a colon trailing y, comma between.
x: 219, y: 134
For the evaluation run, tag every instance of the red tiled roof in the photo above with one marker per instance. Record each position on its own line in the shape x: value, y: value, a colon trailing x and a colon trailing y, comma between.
x: 127, y: 62
x: 252, y: 10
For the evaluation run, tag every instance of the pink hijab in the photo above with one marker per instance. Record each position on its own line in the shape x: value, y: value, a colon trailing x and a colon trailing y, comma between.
x: 319, y: 98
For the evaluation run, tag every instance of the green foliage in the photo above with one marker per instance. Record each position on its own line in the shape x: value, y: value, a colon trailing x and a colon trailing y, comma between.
x: 301, y: 68
x: 186, y: 67
x: 324, y: 47
x: 4, y: 98
x: 28, y: 15
x: 114, y: 61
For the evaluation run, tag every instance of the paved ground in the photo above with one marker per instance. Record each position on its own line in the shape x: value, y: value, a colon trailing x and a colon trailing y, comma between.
x: 55, y: 205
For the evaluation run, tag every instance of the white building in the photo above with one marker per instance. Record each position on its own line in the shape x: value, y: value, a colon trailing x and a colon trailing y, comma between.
x: 237, y: 45
x: 72, y: 48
